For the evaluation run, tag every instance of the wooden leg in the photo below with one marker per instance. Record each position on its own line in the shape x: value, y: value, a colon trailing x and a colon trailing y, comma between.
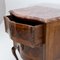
x: 14, y: 48
x: 14, y: 52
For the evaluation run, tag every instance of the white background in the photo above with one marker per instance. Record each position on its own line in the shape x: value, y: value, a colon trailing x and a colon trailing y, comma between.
x: 12, y: 4
x: 2, y: 9
x: 5, y: 41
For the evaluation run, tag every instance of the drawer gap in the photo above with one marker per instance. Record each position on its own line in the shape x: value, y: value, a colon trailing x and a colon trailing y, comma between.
x: 24, y: 20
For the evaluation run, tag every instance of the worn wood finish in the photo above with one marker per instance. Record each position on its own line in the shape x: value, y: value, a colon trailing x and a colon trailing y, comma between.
x: 35, y: 32
x: 53, y: 40
x: 23, y: 33
x: 30, y: 38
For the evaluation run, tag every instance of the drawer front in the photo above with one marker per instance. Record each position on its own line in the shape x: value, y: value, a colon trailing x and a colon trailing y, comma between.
x: 32, y: 53
x: 9, y: 27
x: 30, y: 35
x: 6, y: 21
x: 23, y: 33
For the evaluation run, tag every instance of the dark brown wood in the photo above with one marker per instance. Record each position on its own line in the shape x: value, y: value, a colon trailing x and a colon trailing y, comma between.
x: 35, y: 32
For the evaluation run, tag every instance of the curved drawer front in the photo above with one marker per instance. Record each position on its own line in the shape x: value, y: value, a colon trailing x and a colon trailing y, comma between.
x: 23, y: 33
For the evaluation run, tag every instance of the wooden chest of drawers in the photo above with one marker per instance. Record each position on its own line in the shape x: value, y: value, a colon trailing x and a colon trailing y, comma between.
x: 35, y: 32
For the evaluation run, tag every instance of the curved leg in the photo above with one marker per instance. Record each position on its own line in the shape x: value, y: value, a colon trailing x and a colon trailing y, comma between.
x: 14, y: 48
x: 14, y: 52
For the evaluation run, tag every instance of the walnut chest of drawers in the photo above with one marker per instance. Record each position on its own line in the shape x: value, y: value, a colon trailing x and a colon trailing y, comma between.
x: 35, y: 32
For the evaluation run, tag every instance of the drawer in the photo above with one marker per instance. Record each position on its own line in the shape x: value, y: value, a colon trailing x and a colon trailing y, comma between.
x: 25, y: 31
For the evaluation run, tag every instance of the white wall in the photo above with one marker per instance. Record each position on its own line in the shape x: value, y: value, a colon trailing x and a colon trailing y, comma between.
x: 12, y: 4
x: 2, y: 9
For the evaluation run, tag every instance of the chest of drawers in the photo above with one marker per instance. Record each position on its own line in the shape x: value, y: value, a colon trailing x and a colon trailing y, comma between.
x: 35, y: 32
